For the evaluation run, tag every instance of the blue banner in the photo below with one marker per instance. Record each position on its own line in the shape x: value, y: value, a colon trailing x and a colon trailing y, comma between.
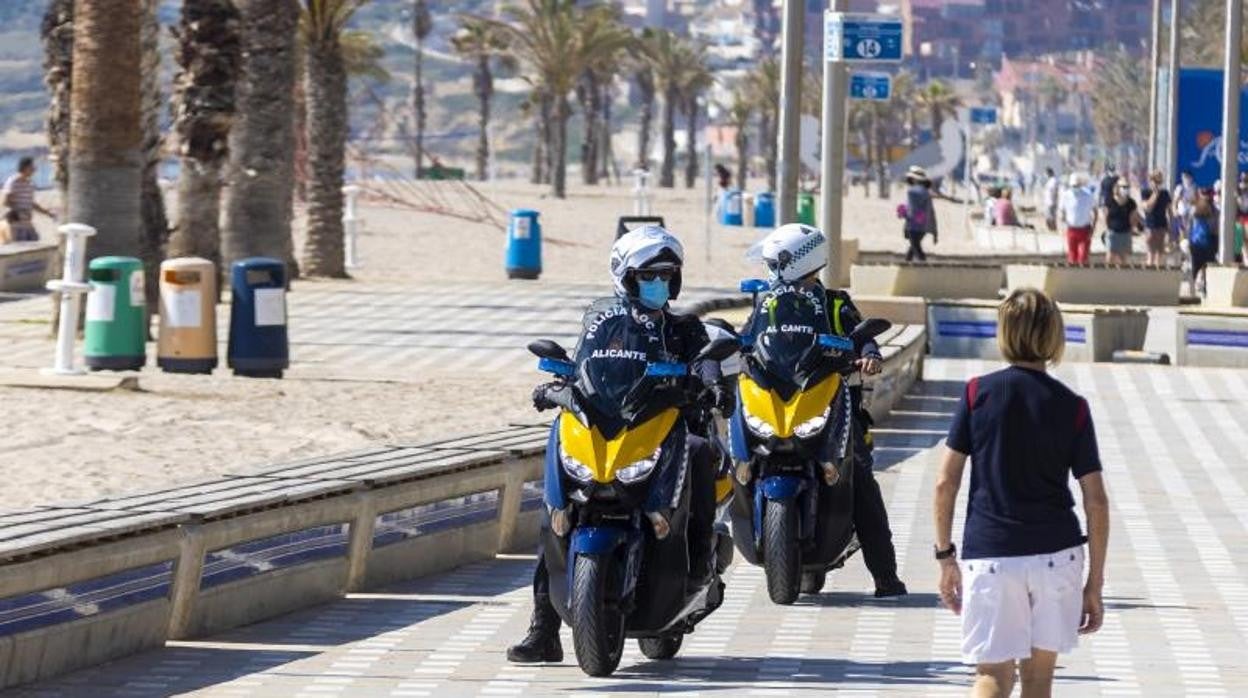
x: 1199, y: 135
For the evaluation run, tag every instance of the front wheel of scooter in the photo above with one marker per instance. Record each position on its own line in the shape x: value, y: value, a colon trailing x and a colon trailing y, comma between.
x: 597, y: 631
x: 781, y: 554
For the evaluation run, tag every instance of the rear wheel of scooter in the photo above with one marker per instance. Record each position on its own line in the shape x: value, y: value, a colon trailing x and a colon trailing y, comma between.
x: 782, y: 557
x: 812, y: 582
x: 597, y: 631
x: 664, y: 647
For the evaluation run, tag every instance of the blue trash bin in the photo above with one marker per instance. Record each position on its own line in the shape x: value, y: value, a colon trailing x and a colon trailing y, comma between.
x: 258, y: 345
x: 765, y: 210
x: 524, y: 245
x: 730, y: 207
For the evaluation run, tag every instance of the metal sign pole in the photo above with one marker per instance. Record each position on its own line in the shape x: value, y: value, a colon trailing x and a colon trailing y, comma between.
x: 1172, y: 94
x: 832, y: 178
x: 1153, y: 120
x: 969, y: 132
x: 710, y: 194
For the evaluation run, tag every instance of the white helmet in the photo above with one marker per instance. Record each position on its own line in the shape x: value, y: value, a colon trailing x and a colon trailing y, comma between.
x: 794, y: 251
x: 647, y: 247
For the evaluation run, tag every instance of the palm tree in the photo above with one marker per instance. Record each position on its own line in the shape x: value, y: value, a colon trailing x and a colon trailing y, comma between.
x: 669, y: 59
x: 939, y: 100
x: 152, y: 199
x: 696, y: 80
x: 106, y: 134
x: 322, y: 24
x: 599, y: 72
x: 209, y: 56
x: 557, y: 40
x: 643, y: 76
x: 422, y: 24
x: 57, y: 35
x: 482, y: 44
x: 739, y: 114
x: 259, y: 200
x: 764, y: 88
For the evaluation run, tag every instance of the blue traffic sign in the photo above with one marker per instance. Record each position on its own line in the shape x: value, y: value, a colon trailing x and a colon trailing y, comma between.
x: 870, y: 86
x: 983, y: 115
x: 854, y: 37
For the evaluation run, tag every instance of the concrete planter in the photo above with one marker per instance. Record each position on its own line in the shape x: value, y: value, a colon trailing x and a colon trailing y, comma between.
x: 1213, y: 337
x: 927, y: 280
x: 1226, y: 287
x: 26, y: 266
x: 1098, y: 285
x: 968, y: 329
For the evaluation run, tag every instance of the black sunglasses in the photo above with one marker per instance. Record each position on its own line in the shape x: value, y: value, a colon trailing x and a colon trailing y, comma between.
x: 652, y: 274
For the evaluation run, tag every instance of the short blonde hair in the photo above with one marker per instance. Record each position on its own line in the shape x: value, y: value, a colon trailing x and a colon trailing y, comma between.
x: 1030, y: 328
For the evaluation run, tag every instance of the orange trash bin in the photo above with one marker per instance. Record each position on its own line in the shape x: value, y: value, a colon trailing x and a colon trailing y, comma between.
x: 188, y: 316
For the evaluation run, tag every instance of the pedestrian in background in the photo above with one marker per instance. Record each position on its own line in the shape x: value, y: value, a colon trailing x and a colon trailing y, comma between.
x: 1078, y: 213
x: 1184, y: 205
x: 1122, y: 220
x: 1020, y: 587
x: 1052, y: 188
x: 1156, y: 217
x: 1003, y: 209
x: 1202, y: 238
x: 19, y: 202
x: 919, y: 213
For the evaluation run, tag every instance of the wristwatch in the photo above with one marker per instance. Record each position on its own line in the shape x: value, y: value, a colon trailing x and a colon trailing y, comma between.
x: 946, y: 554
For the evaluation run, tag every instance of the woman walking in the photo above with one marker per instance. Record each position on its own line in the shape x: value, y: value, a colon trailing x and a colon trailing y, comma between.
x: 1122, y: 218
x: 919, y: 213
x: 1020, y: 587
x: 1202, y: 238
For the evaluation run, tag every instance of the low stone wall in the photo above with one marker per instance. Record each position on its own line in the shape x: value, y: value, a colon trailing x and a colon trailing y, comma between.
x: 26, y: 266
x: 928, y: 280
x: 1226, y: 287
x: 1213, y: 337
x: 968, y: 329
x: 899, y: 310
x: 1099, y: 285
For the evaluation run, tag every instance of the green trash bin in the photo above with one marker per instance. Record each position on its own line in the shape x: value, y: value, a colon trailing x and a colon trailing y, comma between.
x: 806, y: 208
x: 116, y: 328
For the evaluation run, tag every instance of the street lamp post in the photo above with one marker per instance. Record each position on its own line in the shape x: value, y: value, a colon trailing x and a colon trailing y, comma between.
x: 1153, y: 107
x: 790, y: 109
x: 1172, y: 95
x: 1230, y: 130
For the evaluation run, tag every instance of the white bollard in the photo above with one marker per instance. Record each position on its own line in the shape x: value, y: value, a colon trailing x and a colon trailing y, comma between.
x: 71, y: 287
x: 351, y: 224
x: 641, y: 193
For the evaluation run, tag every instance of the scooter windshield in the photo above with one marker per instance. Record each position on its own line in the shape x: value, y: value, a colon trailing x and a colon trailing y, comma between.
x: 785, y: 327
x: 615, y: 347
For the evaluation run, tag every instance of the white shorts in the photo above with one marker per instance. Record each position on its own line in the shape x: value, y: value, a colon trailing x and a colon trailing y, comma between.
x: 1012, y: 604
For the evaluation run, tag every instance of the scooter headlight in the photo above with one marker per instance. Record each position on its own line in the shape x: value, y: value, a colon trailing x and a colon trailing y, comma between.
x: 758, y: 425
x: 574, y: 468
x: 639, y: 470
x: 813, y: 426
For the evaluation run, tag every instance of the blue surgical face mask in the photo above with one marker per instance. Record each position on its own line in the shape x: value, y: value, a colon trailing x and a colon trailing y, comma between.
x: 653, y: 294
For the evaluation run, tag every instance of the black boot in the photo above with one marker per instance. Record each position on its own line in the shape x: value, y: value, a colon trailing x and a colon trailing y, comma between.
x: 889, y: 588
x: 542, y: 643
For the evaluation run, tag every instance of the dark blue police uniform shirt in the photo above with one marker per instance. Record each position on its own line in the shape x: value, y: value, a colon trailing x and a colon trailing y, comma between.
x: 1026, y: 434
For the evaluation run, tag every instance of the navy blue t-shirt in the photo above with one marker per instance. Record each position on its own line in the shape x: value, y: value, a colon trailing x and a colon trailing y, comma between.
x: 1026, y: 434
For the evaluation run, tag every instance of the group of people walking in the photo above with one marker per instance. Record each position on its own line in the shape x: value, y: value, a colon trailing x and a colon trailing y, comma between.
x: 1021, y: 579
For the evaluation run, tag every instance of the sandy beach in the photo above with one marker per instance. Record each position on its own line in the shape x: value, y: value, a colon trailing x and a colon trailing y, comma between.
x: 63, y: 446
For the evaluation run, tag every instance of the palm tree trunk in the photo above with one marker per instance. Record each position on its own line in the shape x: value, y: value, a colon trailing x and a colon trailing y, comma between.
x: 742, y: 142
x: 768, y: 134
x: 539, y: 147
x: 667, y: 176
x: 259, y: 199
x: 881, y: 157
x: 327, y: 142
x: 106, y: 134
x: 691, y: 145
x: 589, y: 135
x: 559, y: 183
x: 58, y: 60
x: 418, y: 91
x: 199, y: 210
x: 485, y: 91
x: 606, y: 154
x: 548, y: 139
x: 646, y: 86
x: 152, y: 201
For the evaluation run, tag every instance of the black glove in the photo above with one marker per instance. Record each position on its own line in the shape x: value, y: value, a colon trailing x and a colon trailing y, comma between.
x: 541, y: 397
x: 725, y: 400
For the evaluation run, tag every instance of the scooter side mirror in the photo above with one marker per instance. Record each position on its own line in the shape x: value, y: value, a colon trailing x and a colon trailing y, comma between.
x: 870, y: 329
x: 754, y: 286
x: 548, y: 349
x: 721, y: 324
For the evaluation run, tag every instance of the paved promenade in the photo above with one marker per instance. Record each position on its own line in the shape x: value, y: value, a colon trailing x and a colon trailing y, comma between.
x: 1176, y: 456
